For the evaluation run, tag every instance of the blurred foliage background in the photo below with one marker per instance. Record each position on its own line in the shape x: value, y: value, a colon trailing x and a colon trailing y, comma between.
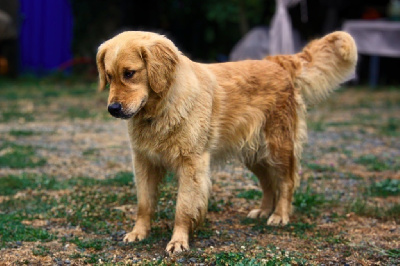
x: 202, y: 29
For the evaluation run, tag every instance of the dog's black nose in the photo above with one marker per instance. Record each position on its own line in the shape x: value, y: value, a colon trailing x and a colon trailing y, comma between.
x: 115, y: 109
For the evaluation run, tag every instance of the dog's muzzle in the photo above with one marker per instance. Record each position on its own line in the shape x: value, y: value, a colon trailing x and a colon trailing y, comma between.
x: 115, y: 109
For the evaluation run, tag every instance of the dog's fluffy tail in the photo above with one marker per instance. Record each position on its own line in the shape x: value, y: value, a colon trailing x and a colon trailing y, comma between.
x: 322, y: 65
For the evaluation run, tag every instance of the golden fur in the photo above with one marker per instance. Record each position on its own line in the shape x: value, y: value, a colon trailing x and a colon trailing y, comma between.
x: 180, y: 114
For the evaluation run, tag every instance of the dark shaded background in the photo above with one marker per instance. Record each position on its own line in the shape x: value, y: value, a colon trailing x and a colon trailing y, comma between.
x: 204, y: 30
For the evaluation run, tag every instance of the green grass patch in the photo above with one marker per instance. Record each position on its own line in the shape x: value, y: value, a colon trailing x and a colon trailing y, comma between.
x: 19, y: 156
x: 40, y: 250
x: 251, y: 194
x: 92, y: 258
x: 269, y: 256
x: 95, y: 244
x: 215, y: 206
x: 120, y: 179
x: 308, y: 202
x: 158, y: 235
x: 22, y: 133
x: 36, y: 89
x: 391, y: 127
x: 340, y: 124
x: 318, y: 126
x: 392, y: 212
x: 373, y: 163
x: 91, y: 152
x: 91, y: 204
x: 11, y: 184
x: 393, y: 253
x: 92, y: 208
x: 232, y: 258
x: 363, y: 208
x: 328, y: 236
x: 385, y: 188
x: 79, y: 112
x: 11, y: 114
x: 167, y: 199
x: 320, y: 167
x: 352, y: 176
x: 260, y: 225
x: 12, y: 230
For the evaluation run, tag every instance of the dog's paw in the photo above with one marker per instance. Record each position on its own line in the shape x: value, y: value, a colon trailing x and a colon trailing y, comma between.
x: 258, y: 213
x: 177, y: 246
x: 276, y: 219
x: 135, y: 235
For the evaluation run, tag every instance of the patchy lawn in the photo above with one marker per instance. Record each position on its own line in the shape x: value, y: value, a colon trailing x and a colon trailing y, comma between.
x: 67, y: 195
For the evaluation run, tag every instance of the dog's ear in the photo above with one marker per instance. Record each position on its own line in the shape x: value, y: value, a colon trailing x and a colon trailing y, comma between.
x: 100, y: 67
x: 161, y: 61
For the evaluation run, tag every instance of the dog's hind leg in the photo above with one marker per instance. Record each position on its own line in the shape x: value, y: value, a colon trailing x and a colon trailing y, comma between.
x: 284, y: 172
x: 148, y: 177
x: 283, y: 208
x: 192, y: 201
x: 268, y: 186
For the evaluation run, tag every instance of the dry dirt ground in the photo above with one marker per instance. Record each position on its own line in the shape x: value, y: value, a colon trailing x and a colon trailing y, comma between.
x: 67, y: 194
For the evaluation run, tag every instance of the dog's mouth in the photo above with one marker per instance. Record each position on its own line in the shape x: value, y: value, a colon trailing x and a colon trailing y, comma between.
x: 122, y: 114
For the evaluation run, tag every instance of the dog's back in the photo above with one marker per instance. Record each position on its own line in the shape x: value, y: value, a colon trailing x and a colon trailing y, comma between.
x: 321, y: 66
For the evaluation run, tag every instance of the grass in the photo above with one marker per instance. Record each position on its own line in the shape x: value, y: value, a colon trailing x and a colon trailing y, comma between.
x: 35, y: 89
x: 215, y: 206
x: 93, y: 209
x: 11, y: 184
x: 90, y: 205
x: 385, y: 188
x: 362, y: 207
x: 251, y: 194
x: 95, y: 244
x: 233, y: 258
x: 79, y: 112
x: 318, y: 126
x: 8, y: 115
x: 374, y: 163
x: 393, y: 253
x: 12, y: 231
x: 19, y: 156
x: 260, y: 225
x: 250, y: 255
x: 391, y: 127
x: 308, y: 202
x: 91, y: 215
x: 23, y: 133
x: 40, y: 250
x: 320, y: 168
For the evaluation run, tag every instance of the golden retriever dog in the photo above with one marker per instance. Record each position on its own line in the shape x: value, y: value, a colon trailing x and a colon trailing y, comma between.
x: 181, y: 114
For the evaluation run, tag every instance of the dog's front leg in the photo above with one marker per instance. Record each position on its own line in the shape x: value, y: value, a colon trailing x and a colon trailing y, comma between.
x: 148, y: 177
x: 192, y: 202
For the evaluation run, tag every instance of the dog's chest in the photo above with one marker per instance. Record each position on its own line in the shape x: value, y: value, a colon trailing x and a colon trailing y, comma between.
x: 164, y: 141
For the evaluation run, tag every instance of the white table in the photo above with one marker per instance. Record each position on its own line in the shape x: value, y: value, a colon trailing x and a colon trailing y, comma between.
x: 375, y: 38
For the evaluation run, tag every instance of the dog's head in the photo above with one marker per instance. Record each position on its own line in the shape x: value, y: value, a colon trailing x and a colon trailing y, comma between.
x: 136, y: 66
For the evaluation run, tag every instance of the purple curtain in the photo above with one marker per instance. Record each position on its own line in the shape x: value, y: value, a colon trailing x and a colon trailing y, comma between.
x: 45, y: 35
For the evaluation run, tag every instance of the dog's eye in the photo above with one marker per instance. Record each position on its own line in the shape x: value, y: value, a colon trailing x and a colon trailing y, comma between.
x: 129, y: 74
x: 109, y: 77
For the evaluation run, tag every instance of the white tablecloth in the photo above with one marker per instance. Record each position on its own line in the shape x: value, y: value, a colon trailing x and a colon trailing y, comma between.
x: 375, y: 37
